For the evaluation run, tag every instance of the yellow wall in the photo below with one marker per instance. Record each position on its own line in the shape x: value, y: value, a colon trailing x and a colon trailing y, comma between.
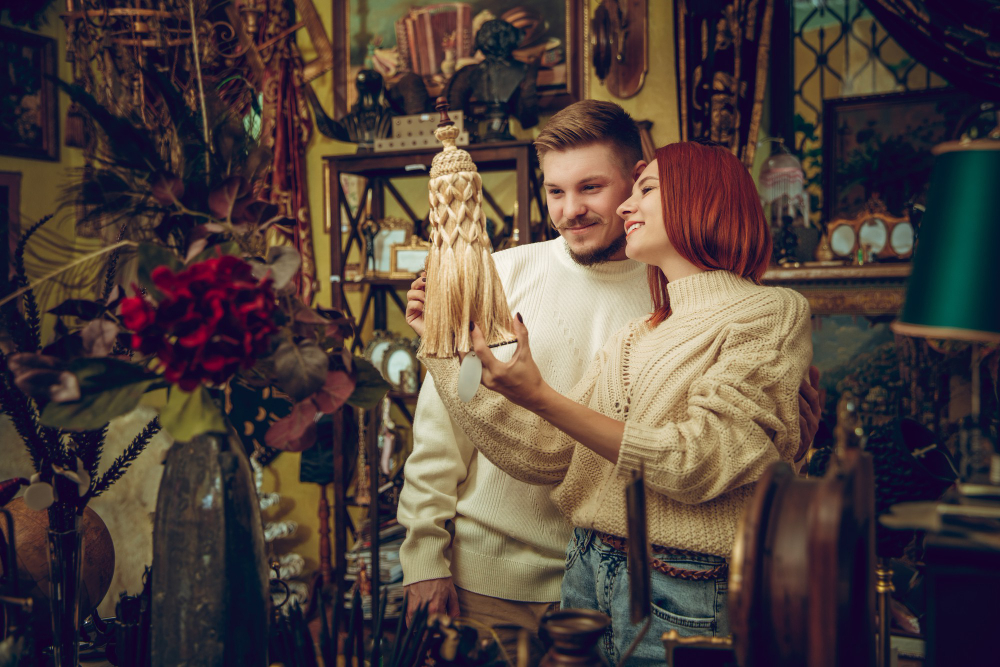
x: 42, y: 181
x: 657, y: 101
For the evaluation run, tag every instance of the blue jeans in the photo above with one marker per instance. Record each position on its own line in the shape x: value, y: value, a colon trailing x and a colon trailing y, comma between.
x: 597, y: 578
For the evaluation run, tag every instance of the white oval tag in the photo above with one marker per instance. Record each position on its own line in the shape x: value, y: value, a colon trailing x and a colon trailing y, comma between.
x: 39, y: 496
x: 470, y: 374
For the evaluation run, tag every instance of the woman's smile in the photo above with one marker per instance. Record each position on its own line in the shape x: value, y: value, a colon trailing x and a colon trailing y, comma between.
x: 631, y: 226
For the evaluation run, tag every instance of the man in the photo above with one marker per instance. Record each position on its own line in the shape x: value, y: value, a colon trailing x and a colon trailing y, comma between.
x: 480, y: 543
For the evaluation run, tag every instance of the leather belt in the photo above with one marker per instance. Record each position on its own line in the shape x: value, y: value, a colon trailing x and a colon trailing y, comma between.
x: 717, y: 572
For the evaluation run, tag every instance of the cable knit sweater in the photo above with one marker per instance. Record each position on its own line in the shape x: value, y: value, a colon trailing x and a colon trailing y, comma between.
x: 709, y: 399
x: 465, y: 517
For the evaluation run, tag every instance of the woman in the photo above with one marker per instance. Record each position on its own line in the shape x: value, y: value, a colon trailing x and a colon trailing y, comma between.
x: 702, y: 395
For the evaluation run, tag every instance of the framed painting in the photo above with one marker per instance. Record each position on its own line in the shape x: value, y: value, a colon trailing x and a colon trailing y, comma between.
x: 10, y: 207
x: 29, y: 106
x: 880, y: 146
x: 433, y: 39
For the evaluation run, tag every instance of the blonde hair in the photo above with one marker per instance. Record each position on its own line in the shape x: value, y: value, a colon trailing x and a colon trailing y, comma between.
x: 593, y: 122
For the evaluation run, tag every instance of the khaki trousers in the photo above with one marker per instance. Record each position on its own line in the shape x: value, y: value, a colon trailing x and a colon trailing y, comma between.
x: 506, y: 617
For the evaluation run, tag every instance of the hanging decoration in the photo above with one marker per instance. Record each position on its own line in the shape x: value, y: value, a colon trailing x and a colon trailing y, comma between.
x: 462, y: 283
x: 243, y: 52
x: 723, y: 49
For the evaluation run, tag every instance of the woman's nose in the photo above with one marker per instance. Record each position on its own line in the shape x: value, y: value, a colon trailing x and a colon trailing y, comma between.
x: 626, y: 208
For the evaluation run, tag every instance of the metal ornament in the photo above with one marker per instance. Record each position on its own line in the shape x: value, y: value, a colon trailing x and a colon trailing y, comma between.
x: 470, y: 374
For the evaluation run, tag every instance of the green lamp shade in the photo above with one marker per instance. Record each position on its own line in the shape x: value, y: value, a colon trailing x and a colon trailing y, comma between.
x: 954, y: 289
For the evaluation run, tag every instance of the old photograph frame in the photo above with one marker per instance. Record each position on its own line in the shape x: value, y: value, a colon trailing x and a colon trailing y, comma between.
x: 29, y: 103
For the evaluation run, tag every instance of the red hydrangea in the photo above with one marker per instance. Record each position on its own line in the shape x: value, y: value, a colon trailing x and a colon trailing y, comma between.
x: 215, y: 317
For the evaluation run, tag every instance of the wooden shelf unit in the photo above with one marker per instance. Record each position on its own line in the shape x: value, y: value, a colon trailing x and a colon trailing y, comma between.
x: 378, y: 170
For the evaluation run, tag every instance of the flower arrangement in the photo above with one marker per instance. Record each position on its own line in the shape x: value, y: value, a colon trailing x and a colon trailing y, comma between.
x: 208, y: 310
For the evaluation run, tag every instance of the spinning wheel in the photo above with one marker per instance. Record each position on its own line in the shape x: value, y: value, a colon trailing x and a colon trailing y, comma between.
x: 801, y: 585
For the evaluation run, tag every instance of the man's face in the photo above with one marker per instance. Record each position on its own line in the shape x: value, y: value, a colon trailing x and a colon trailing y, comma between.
x: 584, y: 187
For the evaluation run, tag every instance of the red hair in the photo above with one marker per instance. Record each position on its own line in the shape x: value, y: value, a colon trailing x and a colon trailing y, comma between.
x: 712, y: 214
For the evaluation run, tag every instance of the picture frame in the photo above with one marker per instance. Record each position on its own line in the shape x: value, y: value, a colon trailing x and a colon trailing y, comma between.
x: 409, y: 259
x: 880, y: 146
x: 10, y: 224
x: 392, y: 231
x: 875, y: 233
x: 395, y: 357
x: 29, y: 104
x: 354, y: 29
x: 400, y: 366
x: 376, y: 348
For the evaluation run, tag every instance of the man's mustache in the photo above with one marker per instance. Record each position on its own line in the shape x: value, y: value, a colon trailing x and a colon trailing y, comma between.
x: 576, y: 224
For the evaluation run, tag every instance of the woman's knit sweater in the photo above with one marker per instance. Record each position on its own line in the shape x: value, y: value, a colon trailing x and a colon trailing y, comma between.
x: 709, y: 399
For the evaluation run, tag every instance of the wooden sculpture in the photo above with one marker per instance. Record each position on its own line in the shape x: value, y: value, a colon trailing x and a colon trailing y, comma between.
x: 462, y: 282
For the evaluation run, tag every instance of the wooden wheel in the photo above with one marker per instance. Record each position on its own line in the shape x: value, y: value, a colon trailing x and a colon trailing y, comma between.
x: 802, y: 574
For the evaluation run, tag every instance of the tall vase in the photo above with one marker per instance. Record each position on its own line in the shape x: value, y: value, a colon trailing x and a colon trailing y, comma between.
x: 65, y: 546
x: 210, y: 583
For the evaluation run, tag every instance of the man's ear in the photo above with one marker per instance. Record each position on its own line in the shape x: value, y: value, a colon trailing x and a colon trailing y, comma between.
x: 639, y: 167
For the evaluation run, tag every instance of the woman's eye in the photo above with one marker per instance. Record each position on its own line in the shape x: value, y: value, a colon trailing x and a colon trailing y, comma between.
x: 647, y: 189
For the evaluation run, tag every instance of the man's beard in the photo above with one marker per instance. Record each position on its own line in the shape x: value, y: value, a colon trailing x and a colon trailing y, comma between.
x: 600, y: 255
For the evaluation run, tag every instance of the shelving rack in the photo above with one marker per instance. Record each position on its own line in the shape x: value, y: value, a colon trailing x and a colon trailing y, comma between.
x: 378, y: 170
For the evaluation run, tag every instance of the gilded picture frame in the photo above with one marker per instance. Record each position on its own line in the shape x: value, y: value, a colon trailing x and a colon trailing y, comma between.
x: 409, y: 259
x: 352, y: 33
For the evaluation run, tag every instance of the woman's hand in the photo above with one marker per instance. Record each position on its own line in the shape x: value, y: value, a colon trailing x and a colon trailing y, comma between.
x: 518, y: 380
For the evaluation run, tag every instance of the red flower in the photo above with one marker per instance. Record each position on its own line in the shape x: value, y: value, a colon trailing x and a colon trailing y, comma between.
x: 214, y: 318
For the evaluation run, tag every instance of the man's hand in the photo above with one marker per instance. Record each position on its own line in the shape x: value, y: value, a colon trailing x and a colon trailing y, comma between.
x: 415, y: 304
x: 810, y: 412
x: 439, y: 595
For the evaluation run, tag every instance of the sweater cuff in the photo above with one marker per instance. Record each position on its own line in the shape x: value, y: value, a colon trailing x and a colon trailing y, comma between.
x: 424, y: 560
x: 444, y: 372
x: 641, y: 446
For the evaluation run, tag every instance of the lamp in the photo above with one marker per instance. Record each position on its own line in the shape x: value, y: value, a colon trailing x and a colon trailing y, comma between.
x: 783, y: 195
x: 953, y: 290
x: 953, y: 294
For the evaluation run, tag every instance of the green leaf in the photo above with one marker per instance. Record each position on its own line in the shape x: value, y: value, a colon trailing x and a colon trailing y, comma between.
x: 300, y: 369
x: 109, y: 388
x: 189, y: 414
x: 225, y: 248
x: 107, y: 373
x: 283, y: 263
x: 369, y: 388
x: 150, y: 257
x: 95, y: 408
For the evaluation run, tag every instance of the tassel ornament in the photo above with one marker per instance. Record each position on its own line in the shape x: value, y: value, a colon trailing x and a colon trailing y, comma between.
x: 462, y: 281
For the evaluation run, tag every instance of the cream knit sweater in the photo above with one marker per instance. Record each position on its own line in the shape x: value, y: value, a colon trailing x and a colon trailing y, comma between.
x: 709, y: 399
x: 466, y: 518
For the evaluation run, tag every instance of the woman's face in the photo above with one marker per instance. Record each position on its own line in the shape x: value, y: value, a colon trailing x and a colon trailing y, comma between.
x: 645, y: 234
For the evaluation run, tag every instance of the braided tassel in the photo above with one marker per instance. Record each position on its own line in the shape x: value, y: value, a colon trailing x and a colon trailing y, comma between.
x: 462, y: 281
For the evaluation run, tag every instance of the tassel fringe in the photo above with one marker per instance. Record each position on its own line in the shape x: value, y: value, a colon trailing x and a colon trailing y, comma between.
x: 462, y: 281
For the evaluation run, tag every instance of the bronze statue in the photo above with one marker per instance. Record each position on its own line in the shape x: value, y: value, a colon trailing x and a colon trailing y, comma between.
x: 505, y: 85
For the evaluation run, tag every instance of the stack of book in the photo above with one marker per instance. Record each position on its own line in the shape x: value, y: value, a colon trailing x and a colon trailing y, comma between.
x: 423, y: 36
x: 390, y: 571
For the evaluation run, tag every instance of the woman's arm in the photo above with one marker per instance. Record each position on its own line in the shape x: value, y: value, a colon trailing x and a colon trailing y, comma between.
x: 742, y: 414
x: 520, y: 382
x: 507, y: 432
